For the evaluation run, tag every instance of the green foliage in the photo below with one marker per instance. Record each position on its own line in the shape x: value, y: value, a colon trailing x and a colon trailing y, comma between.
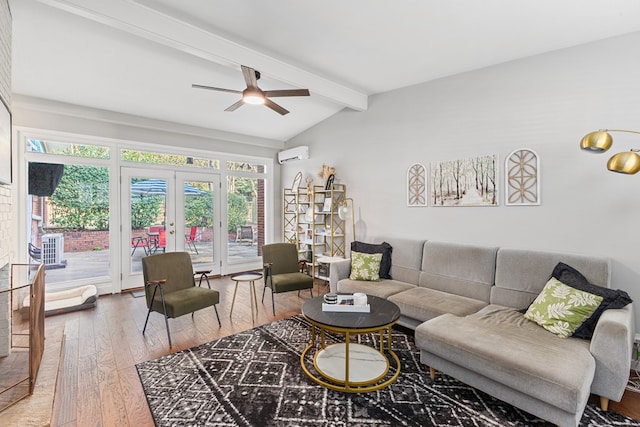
x: 145, y: 211
x: 199, y: 210
x: 81, y: 200
x: 238, y: 210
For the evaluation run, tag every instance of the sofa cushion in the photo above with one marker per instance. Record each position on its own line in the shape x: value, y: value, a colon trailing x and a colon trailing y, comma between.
x: 561, y: 309
x: 612, y: 298
x: 496, y: 342
x: 424, y: 304
x: 521, y: 274
x: 383, y: 248
x: 382, y: 289
x: 465, y: 270
x: 407, y: 258
x: 365, y: 266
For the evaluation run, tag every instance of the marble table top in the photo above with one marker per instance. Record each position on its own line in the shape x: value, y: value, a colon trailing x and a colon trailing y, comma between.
x: 382, y: 312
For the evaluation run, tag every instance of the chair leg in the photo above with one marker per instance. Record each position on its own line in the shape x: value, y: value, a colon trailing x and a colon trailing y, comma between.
x: 166, y: 319
x: 146, y: 320
x: 311, y: 292
x: 149, y: 312
x: 216, y: 309
x: 273, y: 303
x: 264, y: 290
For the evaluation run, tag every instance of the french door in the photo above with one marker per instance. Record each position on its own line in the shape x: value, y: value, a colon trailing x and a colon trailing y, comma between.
x: 167, y: 211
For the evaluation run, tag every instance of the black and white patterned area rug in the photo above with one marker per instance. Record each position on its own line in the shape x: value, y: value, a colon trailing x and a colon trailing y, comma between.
x: 254, y: 378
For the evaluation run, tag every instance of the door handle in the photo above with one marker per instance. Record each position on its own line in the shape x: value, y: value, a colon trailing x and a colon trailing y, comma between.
x: 172, y: 232
x: 171, y: 224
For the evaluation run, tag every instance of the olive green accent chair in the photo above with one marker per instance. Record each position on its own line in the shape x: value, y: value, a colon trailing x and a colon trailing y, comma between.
x: 282, y: 270
x: 170, y: 288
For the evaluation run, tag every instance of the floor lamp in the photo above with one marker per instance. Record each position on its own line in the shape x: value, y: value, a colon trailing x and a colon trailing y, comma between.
x: 346, y: 212
x: 626, y: 162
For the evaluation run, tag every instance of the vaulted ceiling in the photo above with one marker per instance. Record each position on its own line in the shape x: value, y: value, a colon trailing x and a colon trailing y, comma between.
x: 140, y: 57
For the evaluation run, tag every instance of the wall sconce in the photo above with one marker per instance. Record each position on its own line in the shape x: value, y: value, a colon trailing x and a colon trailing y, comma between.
x: 346, y: 212
x: 627, y: 162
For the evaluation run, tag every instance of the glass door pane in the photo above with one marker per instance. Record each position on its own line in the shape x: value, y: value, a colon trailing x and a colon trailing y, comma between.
x: 149, y: 221
x: 245, y: 220
x: 200, y: 217
x: 169, y: 211
x: 68, y: 217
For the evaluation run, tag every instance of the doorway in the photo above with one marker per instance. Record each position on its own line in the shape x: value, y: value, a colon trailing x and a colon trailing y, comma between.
x: 169, y: 211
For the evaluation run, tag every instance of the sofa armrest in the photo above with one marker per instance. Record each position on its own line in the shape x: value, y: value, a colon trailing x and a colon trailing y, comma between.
x: 339, y: 270
x: 611, y: 346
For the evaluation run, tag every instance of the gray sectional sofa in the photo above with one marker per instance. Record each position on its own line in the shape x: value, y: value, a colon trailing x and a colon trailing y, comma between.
x: 464, y: 303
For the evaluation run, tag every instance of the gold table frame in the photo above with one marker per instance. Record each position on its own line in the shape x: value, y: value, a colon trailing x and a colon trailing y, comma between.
x: 346, y: 385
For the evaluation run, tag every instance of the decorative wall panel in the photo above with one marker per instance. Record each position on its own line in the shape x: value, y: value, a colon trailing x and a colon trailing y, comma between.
x: 522, y: 176
x: 417, y: 185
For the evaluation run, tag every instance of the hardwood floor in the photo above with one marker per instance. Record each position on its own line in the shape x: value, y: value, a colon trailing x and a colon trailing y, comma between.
x: 98, y: 384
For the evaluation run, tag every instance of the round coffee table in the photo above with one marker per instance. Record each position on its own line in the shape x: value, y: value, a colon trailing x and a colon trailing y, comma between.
x: 249, y: 277
x: 351, y: 367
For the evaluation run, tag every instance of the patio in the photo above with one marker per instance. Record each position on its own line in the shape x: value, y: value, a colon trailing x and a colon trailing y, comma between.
x: 88, y: 264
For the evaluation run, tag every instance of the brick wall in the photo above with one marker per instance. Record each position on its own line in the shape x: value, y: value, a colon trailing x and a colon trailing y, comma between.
x: 5, y: 51
x: 261, y: 224
x: 6, y: 220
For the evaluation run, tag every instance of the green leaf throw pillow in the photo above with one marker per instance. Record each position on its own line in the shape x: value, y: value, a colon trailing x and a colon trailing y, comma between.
x: 561, y: 309
x: 365, y: 266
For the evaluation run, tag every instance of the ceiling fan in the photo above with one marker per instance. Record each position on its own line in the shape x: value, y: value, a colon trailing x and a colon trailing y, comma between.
x: 254, y: 95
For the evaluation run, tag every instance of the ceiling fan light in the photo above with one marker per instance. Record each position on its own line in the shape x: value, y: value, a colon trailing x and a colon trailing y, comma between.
x: 253, y: 99
x: 252, y: 96
x: 596, y: 142
x: 627, y: 162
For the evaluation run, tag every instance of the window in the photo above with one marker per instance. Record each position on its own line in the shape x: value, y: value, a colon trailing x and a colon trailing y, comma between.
x: 168, y: 159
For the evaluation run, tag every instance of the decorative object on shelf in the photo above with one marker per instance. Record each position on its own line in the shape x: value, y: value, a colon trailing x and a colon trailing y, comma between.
x: 465, y: 182
x: 417, y: 185
x: 326, y: 172
x: 296, y: 181
x: 346, y: 212
x: 329, y: 183
x: 308, y: 215
x: 626, y: 162
x: 522, y: 178
x: 327, y: 205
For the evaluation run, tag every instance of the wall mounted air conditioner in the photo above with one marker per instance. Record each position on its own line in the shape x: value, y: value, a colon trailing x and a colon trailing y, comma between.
x: 295, y: 153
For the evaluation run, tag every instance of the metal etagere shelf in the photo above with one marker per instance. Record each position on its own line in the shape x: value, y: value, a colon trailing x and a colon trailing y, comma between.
x: 319, y: 233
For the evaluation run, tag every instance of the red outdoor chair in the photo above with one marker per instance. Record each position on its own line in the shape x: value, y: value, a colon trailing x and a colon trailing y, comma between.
x: 190, y: 239
x: 154, y: 239
x: 140, y: 242
x: 162, y: 240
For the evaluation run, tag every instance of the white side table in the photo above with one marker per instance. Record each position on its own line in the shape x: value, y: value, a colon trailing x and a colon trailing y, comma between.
x: 250, y: 278
x: 326, y: 260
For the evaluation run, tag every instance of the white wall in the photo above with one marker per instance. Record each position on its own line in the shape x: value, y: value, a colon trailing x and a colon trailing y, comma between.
x: 545, y: 103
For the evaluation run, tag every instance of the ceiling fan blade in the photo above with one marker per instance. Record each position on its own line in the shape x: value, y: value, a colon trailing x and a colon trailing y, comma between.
x: 215, y: 88
x: 287, y: 92
x: 235, y: 106
x: 249, y: 76
x: 275, y: 107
